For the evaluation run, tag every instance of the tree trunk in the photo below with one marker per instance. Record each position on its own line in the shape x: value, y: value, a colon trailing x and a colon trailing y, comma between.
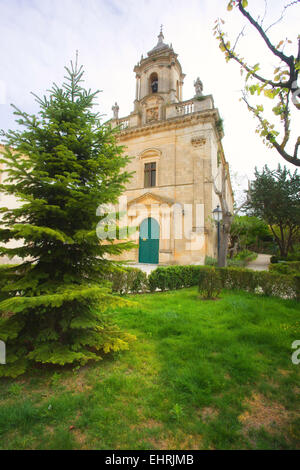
x: 227, y: 218
x: 224, y: 239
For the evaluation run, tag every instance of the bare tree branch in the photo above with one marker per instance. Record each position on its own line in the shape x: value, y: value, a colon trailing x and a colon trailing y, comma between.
x: 243, y: 64
x: 241, y: 34
x: 284, y: 84
x: 265, y: 13
x: 271, y: 138
x: 288, y: 60
x: 282, y: 14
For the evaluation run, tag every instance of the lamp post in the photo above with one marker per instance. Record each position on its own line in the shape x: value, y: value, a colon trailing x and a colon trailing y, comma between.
x: 217, y: 215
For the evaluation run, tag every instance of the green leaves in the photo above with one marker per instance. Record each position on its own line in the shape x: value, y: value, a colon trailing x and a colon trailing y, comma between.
x: 60, y: 165
x: 233, y: 3
x: 280, y: 83
x: 35, y: 233
x: 271, y: 93
x: 273, y: 197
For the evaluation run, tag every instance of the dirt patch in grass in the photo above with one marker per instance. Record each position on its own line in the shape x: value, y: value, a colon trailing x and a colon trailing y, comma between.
x: 272, y: 383
x: 148, y: 424
x: 184, y: 442
x: 151, y: 424
x: 49, y: 430
x: 76, y: 383
x: 80, y: 438
x: 208, y: 414
x: 271, y: 416
x: 284, y: 372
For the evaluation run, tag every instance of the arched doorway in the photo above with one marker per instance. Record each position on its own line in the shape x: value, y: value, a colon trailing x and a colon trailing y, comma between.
x: 149, y: 241
x: 154, y: 83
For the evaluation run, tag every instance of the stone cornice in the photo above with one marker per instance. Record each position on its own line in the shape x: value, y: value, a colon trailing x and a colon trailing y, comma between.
x: 172, y: 123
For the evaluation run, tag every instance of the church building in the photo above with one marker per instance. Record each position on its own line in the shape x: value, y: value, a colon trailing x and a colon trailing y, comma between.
x: 177, y: 155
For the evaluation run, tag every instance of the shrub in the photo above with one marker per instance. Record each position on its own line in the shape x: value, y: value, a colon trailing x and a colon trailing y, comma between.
x: 210, y: 284
x: 238, y: 278
x: 175, y: 277
x: 242, y: 258
x: 297, y: 286
x: 158, y: 279
x: 295, y: 255
x: 259, y: 281
x: 246, y: 255
x: 128, y: 280
x: 279, y: 285
x: 136, y: 280
x: 238, y: 263
x: 209, y: 261
x: 267, y: 283
x: 287, y: 267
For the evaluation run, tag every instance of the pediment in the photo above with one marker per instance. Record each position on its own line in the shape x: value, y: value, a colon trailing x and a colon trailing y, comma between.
x: 152, y: 100
x: 150, y: 153
x: 150, y: 198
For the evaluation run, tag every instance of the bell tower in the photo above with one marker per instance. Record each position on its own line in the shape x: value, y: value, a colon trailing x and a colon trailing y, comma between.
x: 159, y: 81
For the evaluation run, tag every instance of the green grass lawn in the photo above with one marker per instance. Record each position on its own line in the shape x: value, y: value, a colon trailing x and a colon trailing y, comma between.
x: 201, y: 375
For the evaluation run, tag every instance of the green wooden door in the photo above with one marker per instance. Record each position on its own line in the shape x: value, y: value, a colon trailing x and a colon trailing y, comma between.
x: 149, y: 241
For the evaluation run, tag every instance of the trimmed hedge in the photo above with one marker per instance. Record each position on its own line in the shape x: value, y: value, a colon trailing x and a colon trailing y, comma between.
x: 210, y: 284
x: 175, y: 277
x: 264, y: 282
x: 295, y: 256
x: 128, y: 280
x: 286, y: 267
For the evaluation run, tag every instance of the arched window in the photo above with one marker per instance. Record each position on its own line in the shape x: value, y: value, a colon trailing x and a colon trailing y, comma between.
x: 153, y: 83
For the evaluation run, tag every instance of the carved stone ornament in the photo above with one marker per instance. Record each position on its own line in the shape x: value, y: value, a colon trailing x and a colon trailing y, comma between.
x: 152, y: 114
x: 198, y: 141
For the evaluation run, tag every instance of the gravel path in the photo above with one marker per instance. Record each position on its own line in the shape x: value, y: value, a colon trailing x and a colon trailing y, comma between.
x: 261, y: 263
x: 147, y: 268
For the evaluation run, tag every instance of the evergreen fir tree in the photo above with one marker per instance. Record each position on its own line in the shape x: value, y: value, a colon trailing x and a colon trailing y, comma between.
x: 61, y: 165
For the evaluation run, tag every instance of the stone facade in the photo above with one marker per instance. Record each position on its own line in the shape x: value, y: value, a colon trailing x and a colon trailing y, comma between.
x: 183, y: 139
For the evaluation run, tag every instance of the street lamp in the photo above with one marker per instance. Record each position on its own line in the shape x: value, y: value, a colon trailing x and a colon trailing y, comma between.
x: 217, y: 215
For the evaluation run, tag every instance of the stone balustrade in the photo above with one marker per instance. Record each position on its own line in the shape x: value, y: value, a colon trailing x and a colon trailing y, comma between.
x: 188, y: 107
x: 124, y: 123
x: 173, y: 110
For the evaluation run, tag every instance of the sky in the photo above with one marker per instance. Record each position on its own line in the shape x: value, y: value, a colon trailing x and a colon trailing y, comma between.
x: 39, y: 37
